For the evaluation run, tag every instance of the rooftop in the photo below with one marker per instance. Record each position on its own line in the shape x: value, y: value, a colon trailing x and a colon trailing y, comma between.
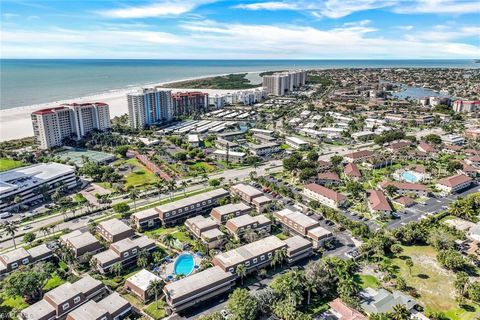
x: 247, y: 189
x: 114, y: 226
x: 328, y: 193
x: 297, y: 217
x: 455, y: 180
x: 142, y: 279
x: 192, y: 200
x: 378, y: 201
x: 231, y: 208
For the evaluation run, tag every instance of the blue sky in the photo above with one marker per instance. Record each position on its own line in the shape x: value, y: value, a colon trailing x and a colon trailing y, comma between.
x: 209, y: 29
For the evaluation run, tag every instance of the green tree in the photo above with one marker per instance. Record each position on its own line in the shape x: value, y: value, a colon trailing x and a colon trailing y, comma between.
x: 134, y: 194
x: 122, y: 150
x: 241, y: 305
x: 142, y: 259
x: 154, y: 288
x: 474, y: 291
x: 27, y: 282
x: 29, y: 237
x: 10, y: 229
x: 396, y: 249
x: 117, y: 268
x: 336, y: 160
x: 433, y: 139
x: 461, y: 283
x: 278, y: 257
x: 167, y: 240
x: 409, y: 263
x: 399, y: 312
x: 241, y: 272
x: 122, y: 207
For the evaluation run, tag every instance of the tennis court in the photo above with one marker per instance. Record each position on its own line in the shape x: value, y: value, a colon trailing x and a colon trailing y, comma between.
x: 77, y: 156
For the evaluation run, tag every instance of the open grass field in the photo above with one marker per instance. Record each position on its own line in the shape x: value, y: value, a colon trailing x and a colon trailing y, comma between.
x: 139, y: 176
x: 156, y: 310
x: 367, y: 281
x: 8, y: 164
x: 202, y: 167
x: 434, y: 283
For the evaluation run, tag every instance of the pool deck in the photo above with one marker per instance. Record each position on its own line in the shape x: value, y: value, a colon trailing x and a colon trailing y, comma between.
x: 170, y: 266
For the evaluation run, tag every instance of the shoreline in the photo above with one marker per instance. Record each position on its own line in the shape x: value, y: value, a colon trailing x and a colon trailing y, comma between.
x: 15, y: 122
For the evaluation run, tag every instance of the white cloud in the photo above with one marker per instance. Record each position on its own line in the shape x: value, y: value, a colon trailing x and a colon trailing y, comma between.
x: 271, y: 5
x: 156, y: 9
x: 406, y: 28
x: 439, y: 7
x: 321, y: 8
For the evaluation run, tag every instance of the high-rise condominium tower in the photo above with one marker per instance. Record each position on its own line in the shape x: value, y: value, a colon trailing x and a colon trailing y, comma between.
x: 52, y: 125
x: 149, y: 106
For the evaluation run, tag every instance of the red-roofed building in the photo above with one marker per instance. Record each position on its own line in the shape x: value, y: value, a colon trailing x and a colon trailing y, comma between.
x: 324, y: 195
x: 397, y: 146
x: 404, y: 201
x: 454, y: 183
x: 378, y: 203
x: 186, y: 103
x: 425, y: 147
x: 351, y: 170
x: 404, y: 188
x: 343, y: 312
x: 466, y: 106
x: 324, y: 165
x: 328, y: 178
x: 474, y: 161
x: 359, y: 156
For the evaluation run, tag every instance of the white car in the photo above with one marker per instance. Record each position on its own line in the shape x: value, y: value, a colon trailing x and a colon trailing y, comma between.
x: 27, y: 228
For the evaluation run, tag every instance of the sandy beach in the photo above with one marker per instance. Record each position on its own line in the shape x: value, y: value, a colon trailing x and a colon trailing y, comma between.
x: 15, y: 123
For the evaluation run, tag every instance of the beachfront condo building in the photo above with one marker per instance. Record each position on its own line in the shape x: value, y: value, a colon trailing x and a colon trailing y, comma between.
x: 51, y: 126
x: 188, y: 103
x: 282, y: 83
x: 149, y: 106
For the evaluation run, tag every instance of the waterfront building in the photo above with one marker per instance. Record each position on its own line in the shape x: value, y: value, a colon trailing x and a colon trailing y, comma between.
x: 149, y: 106
x: 282, y: 83
x: 73, y: 121
x: 32, y: 182
x: 188, y: 103
x: 466, y: 106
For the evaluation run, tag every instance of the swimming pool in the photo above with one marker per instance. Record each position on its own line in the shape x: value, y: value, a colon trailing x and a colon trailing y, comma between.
x: 409, y: 176
x: 184, y: 264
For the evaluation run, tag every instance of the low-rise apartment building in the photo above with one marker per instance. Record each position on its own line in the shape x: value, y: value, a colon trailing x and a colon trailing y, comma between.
x: 223, y: 213
x: 206, y: 229
x: 252, y: 196
x: 238, y: 226
x: 57, y: 303
x: 223, y: 144
x: 114, y: 230
x: 405, y: 188
x: 263, y: 138
x: 253, y: 256
x: 453, y: 139
x: 359, y: 156
x: 228, y: 156
x: 378, y: 203
x: 197, y: 288
x: 454, y: 183
x: 112, y: 307
x: 81, y: 243
x: 124, y: 251
x: 262, y: 203
x: 325, y: 196
x: 352, y: 172
x: 264, y: 149
x: 328, y: 178
x: 29, y: 183
x: 178, y: 211
x: 12, y: 260
x: 297, y: 143
x: 300, y: 224
x: 138, y: 284
x: 298, y: 248
x: 146, y: 219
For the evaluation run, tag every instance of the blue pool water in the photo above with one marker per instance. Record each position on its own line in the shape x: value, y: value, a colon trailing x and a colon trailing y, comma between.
x: 184, y: 264
x: 409, y: 177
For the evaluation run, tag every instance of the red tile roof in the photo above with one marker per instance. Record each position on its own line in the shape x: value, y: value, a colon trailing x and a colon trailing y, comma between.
x: 404, y: 185
x: 404, y: 201
x: 328, y: 176
x: 378, y: 201
x: 360, y: 154
x: 328, y: 193
x: 47, y: 111
x: 422, y: 146
x: 455, y: 180
x: 352, y: 170
x: 345, y: 312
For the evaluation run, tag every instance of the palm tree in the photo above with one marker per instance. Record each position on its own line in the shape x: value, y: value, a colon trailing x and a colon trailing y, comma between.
x: 168, y: 240
x: 184, y: 185
x: 160, y: 187
x: 10, y: 228
x: 134, y: 196
x: 156, y: 257
x: 400, y: 312
x: 409, y: 263
x: 171, y: 188
x: 44, y: 230
x: 241, y: 272
x: 278, y: 257
x: 17, y: 200
x: 142, y: 259
x: 117, y: 268
x: 155, y: 287
x: 310, y: 287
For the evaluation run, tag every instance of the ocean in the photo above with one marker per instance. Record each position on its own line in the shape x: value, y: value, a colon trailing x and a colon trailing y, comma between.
x: 30, y: 82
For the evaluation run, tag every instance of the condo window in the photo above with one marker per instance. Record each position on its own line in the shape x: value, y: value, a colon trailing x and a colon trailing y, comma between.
x: 167, y: 214
x: 262, y: 258
x: 65, y: 306
x: 76, y: 300
x: 247, y: 263
x: 255, y: 260
x: 125, y: 254
x: 25, y: 261
x: 203, y: 202
x: 14, y: 265
x: 134, y: 251
x: 269, y: 255
x: 230, y: 270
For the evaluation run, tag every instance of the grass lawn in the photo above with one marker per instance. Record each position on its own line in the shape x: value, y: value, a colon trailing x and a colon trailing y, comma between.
x: 8, y: 164
x: 282, y: 236
x: 367, y: 281
x: 156, y: 310
x: 53, y: 282
x: 15, y: 302
x: 434, y: 284
x: 182, y: 236
x: 157, y: 233
x: 200, y: 166
x: 140, y: 176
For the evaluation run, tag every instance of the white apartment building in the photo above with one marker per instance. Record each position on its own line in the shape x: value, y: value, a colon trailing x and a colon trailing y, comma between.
x: 297, y: 143
x: 281, y: 83
x: 325, y: 196
x: 52, y: 125
x: 30, y: 183
x: 149, y: 106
